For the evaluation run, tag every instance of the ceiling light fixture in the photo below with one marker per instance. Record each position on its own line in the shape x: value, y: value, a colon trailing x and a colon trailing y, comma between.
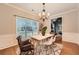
x: 44, y: 15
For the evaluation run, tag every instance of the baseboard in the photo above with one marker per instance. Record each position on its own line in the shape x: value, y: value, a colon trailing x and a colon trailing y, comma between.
x: 71, y: 37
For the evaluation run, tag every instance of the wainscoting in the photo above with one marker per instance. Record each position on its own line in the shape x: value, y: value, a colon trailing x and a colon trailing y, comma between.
x: 9, y: 45
x: 71, y: 37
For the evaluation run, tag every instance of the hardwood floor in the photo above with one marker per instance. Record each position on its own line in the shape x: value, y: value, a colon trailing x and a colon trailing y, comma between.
x: 70, y: 48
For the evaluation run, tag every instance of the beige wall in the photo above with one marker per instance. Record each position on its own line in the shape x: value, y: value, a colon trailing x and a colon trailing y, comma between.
x: 78, y: 22
x: 69, y: 21
x: 8, y: 20
x: 78, y: 17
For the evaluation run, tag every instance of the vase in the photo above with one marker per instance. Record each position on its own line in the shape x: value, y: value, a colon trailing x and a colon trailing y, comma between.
x: 43, y: 33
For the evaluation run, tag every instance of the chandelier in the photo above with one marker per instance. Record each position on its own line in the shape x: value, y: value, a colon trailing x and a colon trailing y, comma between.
x: 43, y: 15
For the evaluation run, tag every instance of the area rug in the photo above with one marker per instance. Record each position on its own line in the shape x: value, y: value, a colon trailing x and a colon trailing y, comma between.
x: 45, y: 50
x: 48, y: 50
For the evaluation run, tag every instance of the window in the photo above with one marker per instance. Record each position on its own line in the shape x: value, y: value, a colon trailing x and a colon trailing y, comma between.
x: 26, y: 27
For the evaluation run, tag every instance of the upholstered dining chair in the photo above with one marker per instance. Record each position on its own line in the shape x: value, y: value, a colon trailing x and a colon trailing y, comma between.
x: 25, y: 46
x: 53, y: 47
x: 48, y: 45
x: 57, y: 45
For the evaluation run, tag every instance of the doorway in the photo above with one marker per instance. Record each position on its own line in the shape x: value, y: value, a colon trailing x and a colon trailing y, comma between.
x: 56, y: 25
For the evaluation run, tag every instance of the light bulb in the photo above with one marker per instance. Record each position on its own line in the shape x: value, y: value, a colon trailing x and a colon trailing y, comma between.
x: 43, y: 13
x: 48, y: 14
x: 39, y: 14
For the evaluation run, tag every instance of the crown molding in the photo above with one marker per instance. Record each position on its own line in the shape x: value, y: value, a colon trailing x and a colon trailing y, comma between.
x: 30, y: 12
x: 18, y: 8
x: 65, y: 12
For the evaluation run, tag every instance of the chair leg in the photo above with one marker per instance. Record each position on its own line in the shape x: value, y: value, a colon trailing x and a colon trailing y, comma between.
x: 32, y: 52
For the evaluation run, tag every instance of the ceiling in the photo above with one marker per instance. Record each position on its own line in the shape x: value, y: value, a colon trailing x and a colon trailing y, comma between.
x: 52, y: 8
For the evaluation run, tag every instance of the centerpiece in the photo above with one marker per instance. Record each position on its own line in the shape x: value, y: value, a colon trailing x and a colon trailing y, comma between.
x: 43, y: 30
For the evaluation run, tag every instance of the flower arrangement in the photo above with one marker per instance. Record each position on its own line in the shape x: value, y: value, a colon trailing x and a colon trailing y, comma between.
x: 43, y: 30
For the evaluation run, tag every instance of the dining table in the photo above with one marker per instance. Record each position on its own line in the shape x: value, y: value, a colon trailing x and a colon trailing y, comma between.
x: 40, y: 49
x: 38, y: 40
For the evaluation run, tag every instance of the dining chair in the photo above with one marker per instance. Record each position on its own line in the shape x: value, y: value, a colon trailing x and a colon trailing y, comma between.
x: 25, y: 46
x: 48, y: 45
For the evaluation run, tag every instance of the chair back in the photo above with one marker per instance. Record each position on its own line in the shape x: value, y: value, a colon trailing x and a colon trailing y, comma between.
x: 52, y: 39
x: 19, y: 40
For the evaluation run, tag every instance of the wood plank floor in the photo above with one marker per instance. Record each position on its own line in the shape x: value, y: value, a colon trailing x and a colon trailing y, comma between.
x: 70, y: 48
